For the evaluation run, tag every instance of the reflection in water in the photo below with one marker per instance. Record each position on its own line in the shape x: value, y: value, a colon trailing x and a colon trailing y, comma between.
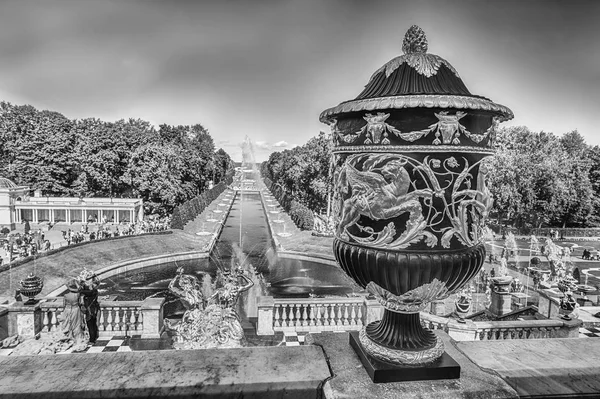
x: 284, y: 277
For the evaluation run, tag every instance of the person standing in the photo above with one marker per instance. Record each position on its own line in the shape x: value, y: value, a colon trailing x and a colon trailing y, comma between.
x: 89, y: 292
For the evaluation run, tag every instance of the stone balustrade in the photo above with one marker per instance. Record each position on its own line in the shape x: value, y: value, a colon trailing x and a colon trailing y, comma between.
x: 503, y: 330
x: 126, y: 318
x: 349, y: 314
x: 315, y: 314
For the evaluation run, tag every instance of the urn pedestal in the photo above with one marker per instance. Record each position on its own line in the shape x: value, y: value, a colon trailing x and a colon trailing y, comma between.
x: 410, y: 202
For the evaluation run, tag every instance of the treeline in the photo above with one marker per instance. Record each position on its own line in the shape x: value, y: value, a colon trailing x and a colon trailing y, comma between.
x: 93, y: 158
x: 538, y: 179
x: 302, y: 172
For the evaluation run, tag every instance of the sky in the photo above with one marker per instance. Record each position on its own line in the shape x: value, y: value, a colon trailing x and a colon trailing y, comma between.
x: 266, y: 69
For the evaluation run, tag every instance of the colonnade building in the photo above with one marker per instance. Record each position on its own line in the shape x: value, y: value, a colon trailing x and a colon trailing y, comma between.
x: 17, y: 206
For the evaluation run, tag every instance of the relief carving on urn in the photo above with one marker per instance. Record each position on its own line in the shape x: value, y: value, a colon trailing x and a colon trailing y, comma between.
x: 411, y: 196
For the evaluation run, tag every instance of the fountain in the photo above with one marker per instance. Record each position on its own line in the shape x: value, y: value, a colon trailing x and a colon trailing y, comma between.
x: 202, y: 231
x: 411, y: 200
x: 284, y: 233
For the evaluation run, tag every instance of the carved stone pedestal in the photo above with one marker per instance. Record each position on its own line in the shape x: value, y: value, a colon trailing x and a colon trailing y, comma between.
x: 501, y: 297
x: 445, y: 367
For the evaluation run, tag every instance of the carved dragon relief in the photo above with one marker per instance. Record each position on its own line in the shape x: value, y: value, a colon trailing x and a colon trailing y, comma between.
x: 379, y: 187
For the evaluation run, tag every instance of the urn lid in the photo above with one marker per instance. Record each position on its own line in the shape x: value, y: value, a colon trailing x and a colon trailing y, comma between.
x: 416, y: 79
x: 31, y: 281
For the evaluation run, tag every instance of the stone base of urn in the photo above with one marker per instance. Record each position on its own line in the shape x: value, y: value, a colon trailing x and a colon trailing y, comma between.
x: 445, y: 367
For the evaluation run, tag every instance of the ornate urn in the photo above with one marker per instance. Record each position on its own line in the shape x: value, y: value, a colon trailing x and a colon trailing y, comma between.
x: 410, y: 195
x: 30, y: 287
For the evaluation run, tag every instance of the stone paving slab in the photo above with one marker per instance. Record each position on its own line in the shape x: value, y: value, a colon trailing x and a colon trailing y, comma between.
x: 541, y: 368
x: 262, y: 372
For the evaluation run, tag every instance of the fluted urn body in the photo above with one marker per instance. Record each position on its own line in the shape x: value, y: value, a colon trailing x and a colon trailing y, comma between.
x: 411, y: 195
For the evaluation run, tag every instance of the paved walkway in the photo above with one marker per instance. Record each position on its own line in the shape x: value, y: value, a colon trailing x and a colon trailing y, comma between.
x: 119, y: 343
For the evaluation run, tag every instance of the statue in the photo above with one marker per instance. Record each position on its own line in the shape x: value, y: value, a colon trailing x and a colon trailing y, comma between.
x: 212, y: 322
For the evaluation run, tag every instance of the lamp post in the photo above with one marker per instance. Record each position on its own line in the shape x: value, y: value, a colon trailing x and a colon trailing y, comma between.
x: 410, y: 201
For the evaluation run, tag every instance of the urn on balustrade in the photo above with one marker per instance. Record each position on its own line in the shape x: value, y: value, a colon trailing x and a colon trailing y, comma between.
x: 411, y: 195
x: 30, y: 287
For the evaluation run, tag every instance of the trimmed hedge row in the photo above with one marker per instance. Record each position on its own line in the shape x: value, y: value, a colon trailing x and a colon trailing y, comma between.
x: 189, y: 210
x: 545, y: 231
x: 39, y: 255
x: 298, y: 212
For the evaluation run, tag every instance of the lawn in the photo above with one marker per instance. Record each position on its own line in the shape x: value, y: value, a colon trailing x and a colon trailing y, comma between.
x: 57, y: 268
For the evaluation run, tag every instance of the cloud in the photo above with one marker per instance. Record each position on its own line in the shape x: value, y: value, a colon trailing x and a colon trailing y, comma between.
x: 281, y: 144
x: 263, y: 145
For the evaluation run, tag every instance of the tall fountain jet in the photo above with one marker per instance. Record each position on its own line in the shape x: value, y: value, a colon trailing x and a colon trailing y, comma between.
x: 411, y: 199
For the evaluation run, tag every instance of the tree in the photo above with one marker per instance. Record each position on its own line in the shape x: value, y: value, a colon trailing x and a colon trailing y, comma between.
x: 155, y: 171
x: 37, y: 148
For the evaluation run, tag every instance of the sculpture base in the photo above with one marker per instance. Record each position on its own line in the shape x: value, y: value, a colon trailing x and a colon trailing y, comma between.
x: 443, y: 368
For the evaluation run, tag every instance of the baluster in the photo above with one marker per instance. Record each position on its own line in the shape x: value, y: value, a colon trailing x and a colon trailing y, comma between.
x: 318, y: 321
x: 284, y: 316
x: 101, y: 326
x: 305, y: 321
x: 311, y: 315
x: 297, y: 314
x: 277, y: 315
x: 346, y: 316
x: 326, y: 318
x: 132, y: 325
x: 109, y: 319
x: 331, y: 314
x: 46, y: 321
x: 359, y: 316
x: 140, y: 320
x: 338, y: 315
x: 353, y: 314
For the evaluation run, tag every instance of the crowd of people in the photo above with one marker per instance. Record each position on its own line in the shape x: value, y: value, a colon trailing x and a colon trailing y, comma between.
x: 29, y: 243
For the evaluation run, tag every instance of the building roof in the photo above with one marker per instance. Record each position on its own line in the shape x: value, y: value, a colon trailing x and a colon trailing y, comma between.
x: 6, y: 183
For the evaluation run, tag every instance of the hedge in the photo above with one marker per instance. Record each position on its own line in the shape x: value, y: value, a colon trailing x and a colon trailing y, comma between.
x: 300, y: 214
x: 190, y: 209
x: 545, y: 231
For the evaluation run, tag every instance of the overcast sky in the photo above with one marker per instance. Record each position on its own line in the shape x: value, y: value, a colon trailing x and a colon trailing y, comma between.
x: 266, y: 69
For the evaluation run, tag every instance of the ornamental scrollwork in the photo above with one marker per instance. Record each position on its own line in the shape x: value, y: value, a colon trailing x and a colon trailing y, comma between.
x: 441, y: 197
x: 398, y: 356
x: 413, y: 301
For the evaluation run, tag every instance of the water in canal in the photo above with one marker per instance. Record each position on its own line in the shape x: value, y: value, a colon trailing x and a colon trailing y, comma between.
x: 282, y: 277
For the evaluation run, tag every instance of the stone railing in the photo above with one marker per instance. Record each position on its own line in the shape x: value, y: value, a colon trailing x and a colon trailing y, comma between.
x: 126, y: 318
x: 315, y: 314
x: 349, y: 314
x: 499, y: 330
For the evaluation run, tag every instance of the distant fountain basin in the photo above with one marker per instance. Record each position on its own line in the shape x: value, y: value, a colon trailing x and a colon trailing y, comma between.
x: 284, y: 234
x: 204, y: 233
x: 277, y: 221
x: 274, y: 212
